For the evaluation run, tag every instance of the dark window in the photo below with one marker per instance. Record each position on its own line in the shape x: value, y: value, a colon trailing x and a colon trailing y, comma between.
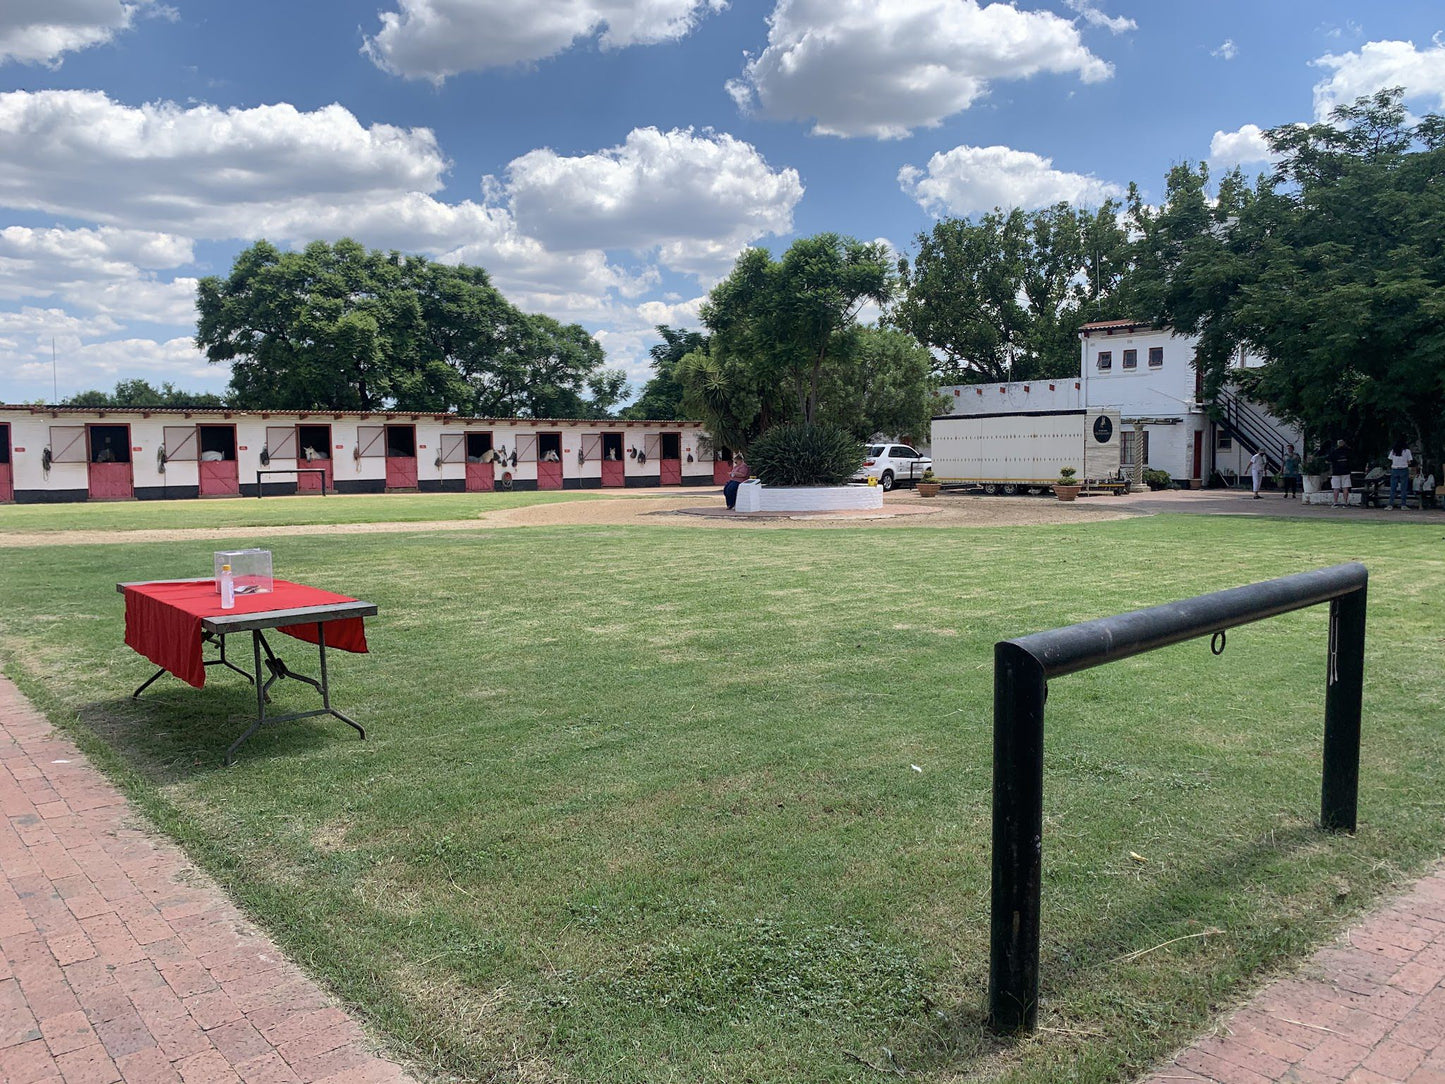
x: 218, y: 438
x: 549, y: 447
x: 671, y: 446
x: 901, y: 452
x: 316, y: 438
x: 4, y: 444
x: 612, y: 446
x: 1156, y: 357
x: 1224, y: 443
x: 1131, y: 359
x: 110, y: 444
x: 1127, y: 442
x: 478, y: 445
x: 400, y: 442
x: 1106, y: 359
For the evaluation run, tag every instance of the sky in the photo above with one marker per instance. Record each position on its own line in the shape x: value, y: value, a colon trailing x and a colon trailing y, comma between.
x: 604, y: 160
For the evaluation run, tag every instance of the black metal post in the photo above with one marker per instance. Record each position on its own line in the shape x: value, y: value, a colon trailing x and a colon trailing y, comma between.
x: 1344, y: 693
x: 1019, y: 692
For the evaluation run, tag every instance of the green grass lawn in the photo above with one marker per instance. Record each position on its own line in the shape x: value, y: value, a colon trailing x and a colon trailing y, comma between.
x: 267, y: 512
x: 662, y: 804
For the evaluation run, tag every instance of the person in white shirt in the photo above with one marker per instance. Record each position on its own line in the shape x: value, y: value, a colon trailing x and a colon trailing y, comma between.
x: 1257, y: 465
x: 1400, y: 460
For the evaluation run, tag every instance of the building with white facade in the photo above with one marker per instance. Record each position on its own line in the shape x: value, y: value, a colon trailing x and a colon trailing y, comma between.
x: 1147, y: 374
x: 54, y: 454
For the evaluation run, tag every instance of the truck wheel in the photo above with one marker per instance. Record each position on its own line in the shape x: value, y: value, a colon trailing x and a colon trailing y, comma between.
x: 991, y: 489
x: 1010, y: 491
x: 886, y: 481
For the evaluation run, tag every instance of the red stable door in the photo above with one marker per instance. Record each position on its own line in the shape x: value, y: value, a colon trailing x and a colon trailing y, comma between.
x: 220, y: 478
x: 481, y: 478
x: 614, y: 474
x: 311, y: 483
x: 669, y: 460
x: 7, y: 478
x: 721, y: 471
x: 549, y: 475
x: 549, y: 460
x: 110, y: 475
x: 401, y: 457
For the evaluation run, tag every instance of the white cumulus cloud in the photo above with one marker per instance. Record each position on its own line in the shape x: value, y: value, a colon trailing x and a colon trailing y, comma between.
x: 700, y: 197
x: 1381, y: 64
x: 863, y: 68
x: 972, y: 180
x: 434, y: 39
x: 1226, y: 51
x: 1244, y: 144
x: 42, y: 31
x: 1093, y: 16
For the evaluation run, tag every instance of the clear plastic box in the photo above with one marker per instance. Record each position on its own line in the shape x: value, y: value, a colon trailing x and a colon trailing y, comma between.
x: 250, y: 570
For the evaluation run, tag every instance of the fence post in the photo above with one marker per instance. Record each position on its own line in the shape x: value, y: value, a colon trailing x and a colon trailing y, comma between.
x: 1344, y: 687
x: 1019, y: 692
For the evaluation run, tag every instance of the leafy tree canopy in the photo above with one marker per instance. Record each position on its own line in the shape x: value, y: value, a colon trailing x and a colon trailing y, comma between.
x: 1002, y: 298
x: 1332, y: 269
x: 661, y: 396
x: 784, y: 339
x: 140, y: 393
x: 338, y: 327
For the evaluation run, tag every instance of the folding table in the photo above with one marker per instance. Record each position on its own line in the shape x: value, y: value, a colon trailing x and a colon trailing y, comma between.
x: 169, y: 622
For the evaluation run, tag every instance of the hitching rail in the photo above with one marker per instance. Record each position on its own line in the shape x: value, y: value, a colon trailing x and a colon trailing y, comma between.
x: 1022, y: 668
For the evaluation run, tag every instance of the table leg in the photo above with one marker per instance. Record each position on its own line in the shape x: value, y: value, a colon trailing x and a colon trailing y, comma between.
x: 326, y: 684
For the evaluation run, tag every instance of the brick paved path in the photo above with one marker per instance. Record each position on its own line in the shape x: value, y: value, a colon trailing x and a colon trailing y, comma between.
x: 1367, y: 1010
x: 119, y: 962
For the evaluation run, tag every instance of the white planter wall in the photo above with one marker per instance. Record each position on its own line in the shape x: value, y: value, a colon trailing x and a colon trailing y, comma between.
x: 756, y: 497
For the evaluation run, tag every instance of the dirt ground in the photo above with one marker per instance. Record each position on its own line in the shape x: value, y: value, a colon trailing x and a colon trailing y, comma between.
x: 696, y: 508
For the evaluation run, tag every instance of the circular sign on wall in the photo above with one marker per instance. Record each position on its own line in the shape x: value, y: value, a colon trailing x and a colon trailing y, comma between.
x: 1103, y: 429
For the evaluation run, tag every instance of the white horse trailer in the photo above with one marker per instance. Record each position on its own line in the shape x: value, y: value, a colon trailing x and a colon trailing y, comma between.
x: 1022, y: 450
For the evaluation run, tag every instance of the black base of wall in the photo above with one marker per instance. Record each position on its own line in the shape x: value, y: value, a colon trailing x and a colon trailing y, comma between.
x: 51, y: 496
x: 644, y: 483
x: 167, y: 493
x: 442, y: 485
x: 699, y: 480
x: 269, y: 489
x: 581, y: 483
x: 361, y: 485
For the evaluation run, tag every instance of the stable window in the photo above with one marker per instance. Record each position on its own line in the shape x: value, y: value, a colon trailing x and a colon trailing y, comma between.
x: 1106, y: 359
x: 478, y: 445
x: 671, y: 445
x: 1131, y: 359
x: 218, y: 442
x: 549, y: 447
x: 400, y: 442
x: 1156, y: 357
x: 4, y: 443
x: 314, y: 441
x: 612, y: 446
x: 109, y: 444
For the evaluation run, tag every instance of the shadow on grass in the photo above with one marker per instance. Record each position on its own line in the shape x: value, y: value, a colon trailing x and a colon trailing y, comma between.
x: 175, y: 733
x: 960, y: 1041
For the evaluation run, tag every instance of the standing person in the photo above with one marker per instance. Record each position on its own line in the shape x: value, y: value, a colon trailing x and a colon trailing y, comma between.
x: 1339, y: 457
x: 1400, y: 459
x: 1256, y: 471
x: 1290, y: 472
x: 738, y: 476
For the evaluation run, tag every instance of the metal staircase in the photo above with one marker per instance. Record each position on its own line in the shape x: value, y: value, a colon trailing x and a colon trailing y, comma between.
x: 1249, y: 425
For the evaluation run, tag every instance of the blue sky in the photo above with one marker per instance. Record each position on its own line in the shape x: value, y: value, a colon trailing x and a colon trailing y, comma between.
x: 605, y: 160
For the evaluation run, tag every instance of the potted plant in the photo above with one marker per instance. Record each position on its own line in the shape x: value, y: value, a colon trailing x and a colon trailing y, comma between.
x: 1317, y: 471
x: 1067, y: 487
x: 928, y: 483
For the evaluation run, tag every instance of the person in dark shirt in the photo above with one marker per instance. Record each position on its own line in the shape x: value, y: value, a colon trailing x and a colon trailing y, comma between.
x: 1339, y: 457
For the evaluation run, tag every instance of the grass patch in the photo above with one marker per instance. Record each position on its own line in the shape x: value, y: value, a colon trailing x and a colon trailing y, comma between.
x: 641, y: 803
x: 337, y: 508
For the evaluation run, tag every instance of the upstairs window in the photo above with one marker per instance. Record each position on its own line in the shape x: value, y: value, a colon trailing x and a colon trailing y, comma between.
x: 1156, y: 357
x: 1131, y: 359
x: 1106, y: 359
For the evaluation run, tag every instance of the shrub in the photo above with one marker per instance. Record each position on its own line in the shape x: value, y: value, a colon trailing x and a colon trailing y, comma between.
x: 1157, y: 479
x: 1066, y: 477
x: 799, y: 454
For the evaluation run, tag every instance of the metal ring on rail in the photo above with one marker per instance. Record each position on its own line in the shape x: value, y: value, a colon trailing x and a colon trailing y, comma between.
x: 1216, y: 642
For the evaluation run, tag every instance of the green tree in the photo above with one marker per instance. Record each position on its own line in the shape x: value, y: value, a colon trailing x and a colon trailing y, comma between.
x: 1333, y: 270
x: 782, y: 332
x: 661, y: 396
x: 1002, y: 298
x: 338, y: 327
x: 886, y: 387
x: 141, y: 393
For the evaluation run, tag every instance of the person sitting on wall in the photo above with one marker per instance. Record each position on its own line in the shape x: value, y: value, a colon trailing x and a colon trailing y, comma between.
x: 738, y: 476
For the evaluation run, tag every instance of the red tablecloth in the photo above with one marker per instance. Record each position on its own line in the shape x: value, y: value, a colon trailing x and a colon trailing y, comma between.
x: 163, y: 620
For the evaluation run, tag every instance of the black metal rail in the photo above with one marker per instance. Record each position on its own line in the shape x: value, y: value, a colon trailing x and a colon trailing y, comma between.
x: 1022, y: 668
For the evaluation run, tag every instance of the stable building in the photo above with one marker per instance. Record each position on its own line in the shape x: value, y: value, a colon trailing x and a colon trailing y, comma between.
x: 57, y: 454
